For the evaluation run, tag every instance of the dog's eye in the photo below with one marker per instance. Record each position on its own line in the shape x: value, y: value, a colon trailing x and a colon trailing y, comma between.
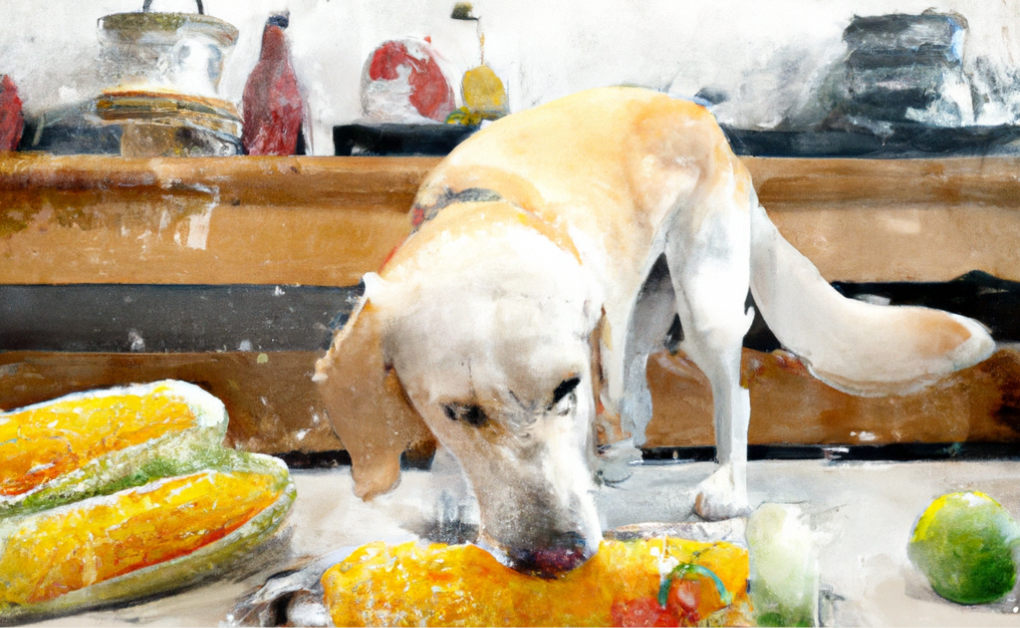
x: 469, y: 413
x: 566, y: 387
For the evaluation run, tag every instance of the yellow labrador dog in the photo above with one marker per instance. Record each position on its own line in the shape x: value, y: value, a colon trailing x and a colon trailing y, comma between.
x: 551, y: 253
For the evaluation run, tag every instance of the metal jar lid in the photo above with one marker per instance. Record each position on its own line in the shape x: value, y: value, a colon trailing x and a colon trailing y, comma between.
x: 146, y: 26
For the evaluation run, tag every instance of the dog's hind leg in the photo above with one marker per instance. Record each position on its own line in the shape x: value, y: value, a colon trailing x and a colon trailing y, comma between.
x: 647, y: 330
x: 653, y: 313
x: 710, y: 272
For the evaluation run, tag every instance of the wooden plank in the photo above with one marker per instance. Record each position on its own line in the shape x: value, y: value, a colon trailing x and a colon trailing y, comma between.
x: 275, y: 408
x: 896, y: 220
x: 361, y: 181
x: 292, y: 220
x: 328, y: 220
x: 980, y: 404
x: 788, y: 183
x: 214, y: 244
x: 270, y: 397
x: 781, y: 182
x: 905, y: 242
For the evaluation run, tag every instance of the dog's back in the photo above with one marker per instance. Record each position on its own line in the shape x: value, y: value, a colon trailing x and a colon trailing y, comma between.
x: 612, y: 181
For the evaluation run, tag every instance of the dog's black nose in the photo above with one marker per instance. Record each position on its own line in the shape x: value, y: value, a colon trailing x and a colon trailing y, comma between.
x: 565, y: 553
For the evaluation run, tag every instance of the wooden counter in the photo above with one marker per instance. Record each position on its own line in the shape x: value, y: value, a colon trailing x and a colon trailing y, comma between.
x: 327, y: 220
x: 324, y: 221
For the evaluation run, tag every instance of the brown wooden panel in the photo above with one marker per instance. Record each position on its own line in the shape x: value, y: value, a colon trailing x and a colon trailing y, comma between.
x: 328, y: 220
x: 905, y: 242
x: 292, y: 220
x: 896, y: 220
x: 788, y: 405
x: 373, y: 181
x: 789, y: 183
x: 222, y: 244
x: 270, y: 397
x: 274, y: 406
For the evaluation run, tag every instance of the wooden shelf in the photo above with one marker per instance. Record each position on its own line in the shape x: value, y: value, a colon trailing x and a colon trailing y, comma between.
x: 328, y: 220
x: 246, y: 220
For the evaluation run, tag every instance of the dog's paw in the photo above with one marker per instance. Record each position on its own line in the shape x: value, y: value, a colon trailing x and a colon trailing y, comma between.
x: 614, y: 462
x: 720, y: 497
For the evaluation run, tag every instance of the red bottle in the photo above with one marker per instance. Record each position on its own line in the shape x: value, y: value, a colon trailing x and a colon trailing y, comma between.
x: 272, y: 104
x: 11, y: 120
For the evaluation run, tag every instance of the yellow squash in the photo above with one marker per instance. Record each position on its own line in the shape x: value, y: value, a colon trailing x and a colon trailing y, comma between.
x: 119, y: 494
x: 655, y: 582
x: 93, y: 541
x: 47, y: 440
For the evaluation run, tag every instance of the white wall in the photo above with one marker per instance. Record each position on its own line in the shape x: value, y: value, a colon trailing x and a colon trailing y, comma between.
x: 767, y: 54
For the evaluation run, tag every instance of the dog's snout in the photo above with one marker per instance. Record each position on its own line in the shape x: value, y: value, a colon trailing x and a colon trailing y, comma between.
x: 558, y: 557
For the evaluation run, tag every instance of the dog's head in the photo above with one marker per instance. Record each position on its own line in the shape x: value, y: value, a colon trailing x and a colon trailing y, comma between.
x: 487, y: 343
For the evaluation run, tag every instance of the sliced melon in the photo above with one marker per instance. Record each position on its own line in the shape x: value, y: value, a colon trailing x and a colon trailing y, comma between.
x: 646, y: 582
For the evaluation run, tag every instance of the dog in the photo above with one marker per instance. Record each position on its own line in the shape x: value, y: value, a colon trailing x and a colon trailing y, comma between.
x: 551, y: 252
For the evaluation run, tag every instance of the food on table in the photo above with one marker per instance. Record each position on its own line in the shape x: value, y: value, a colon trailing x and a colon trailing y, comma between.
x: 126, y: 493
x: 965, y: 544
x: 784, y: 567
x: 45, y: 440
x: 663, y: 582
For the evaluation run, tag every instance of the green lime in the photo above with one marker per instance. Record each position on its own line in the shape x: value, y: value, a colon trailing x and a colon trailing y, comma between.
x: 964, y: 544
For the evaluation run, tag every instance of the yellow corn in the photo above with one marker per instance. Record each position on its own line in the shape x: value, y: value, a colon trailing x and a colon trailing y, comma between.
x: 68, y: 548
x: 45, y: 441
x: 462, y: 585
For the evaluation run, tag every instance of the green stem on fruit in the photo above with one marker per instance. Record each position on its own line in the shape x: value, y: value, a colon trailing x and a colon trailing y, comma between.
x: 682, y: 571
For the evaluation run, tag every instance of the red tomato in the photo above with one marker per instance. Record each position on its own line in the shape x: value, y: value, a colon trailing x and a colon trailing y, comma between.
x: 684, y: 600
x: 643, y: 612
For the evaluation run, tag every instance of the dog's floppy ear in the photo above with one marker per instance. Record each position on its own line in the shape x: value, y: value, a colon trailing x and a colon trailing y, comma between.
x: 365, y: 401
x: 608, y: 426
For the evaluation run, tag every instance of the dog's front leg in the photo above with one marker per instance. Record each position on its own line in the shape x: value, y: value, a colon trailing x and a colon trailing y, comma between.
x: 724, y: 493
x: 710, y: 278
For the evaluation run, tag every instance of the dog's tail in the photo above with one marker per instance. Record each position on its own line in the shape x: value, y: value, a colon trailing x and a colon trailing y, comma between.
x: 856, y: 347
